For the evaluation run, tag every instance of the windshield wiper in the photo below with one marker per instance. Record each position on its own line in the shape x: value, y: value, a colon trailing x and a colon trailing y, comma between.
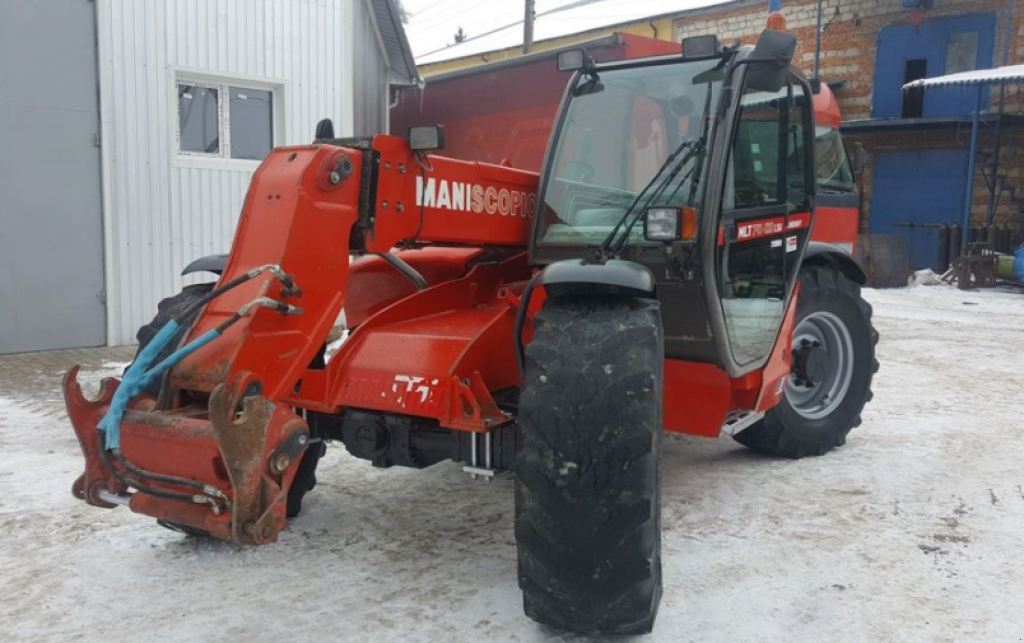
x: 667, y: 181
x: 691, y: 145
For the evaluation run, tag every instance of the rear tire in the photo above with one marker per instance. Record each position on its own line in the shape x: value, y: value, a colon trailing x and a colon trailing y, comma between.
x: 805, y: 422
x: 588, y: 502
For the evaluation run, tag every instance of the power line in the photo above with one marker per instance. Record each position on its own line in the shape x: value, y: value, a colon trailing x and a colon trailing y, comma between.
x: 435, y: 18
x: 566, y: 7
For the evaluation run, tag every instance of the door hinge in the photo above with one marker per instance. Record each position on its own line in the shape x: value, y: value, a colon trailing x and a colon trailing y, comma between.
x: 102, y: 296
x: 97, y: 140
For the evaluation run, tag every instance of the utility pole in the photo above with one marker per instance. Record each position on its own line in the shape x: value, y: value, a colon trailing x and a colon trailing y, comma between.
x: 528, y: 27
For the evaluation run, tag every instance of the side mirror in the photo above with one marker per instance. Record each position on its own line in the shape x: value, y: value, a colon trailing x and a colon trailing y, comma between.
x: 324, y: 130
x: 426, y: 138
x: 858, y: 157
x: 770, y: 60
x: 701, y: 46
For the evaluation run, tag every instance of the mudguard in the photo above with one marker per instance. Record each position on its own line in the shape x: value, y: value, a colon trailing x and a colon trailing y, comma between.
x: 212, y: 263
x: 615, y: 278
x: 828, y: 255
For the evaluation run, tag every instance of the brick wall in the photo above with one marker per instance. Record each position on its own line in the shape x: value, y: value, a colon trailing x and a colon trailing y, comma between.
x: 848, y: 43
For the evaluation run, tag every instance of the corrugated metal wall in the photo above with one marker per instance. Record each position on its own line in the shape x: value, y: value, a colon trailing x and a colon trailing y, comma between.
x: 370, y: 97
x: 160, y: 215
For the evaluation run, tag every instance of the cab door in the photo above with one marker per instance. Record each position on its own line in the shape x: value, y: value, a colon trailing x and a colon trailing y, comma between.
x: 765, y: 220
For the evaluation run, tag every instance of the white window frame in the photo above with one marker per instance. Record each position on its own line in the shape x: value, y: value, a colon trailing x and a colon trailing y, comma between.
x: 223, y: 83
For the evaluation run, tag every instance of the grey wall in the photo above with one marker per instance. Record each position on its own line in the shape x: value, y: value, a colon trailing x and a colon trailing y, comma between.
x: 370, y: 82
x: 51, y: 233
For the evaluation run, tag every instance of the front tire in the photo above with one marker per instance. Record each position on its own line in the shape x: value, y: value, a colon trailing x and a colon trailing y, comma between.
x: 588, y: 501
x: 834, y: 363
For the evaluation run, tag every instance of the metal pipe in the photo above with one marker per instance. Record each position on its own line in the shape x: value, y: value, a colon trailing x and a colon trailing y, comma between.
x: 115, y: 498
x: 969, y: 198
x: 817, y: 45
x: 411, y: 273
x: 997, y: 147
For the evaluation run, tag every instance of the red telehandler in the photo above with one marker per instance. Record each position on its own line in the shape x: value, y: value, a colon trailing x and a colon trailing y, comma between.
x: 657, y: 275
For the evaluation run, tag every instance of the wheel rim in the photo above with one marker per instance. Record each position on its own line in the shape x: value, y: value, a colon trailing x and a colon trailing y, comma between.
x: 821, y: 338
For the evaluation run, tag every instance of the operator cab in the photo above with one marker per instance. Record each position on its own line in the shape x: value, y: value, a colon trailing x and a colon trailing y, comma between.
x: 700, y: 168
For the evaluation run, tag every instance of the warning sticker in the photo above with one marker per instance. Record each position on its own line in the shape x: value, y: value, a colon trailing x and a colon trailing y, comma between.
x: 790, y: 244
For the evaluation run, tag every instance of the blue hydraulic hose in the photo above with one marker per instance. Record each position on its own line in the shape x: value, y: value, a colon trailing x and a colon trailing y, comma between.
x: 131, y: 384
x: 177, y: 356
x: 138, y: 377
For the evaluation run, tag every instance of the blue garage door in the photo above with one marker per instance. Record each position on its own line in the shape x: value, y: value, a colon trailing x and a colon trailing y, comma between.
x: 918, y: 187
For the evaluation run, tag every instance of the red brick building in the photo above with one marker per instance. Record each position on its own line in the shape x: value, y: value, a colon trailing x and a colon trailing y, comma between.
x: 917, y: 142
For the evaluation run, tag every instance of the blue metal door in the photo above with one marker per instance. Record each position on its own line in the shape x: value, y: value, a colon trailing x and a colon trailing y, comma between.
x: 924, y: 187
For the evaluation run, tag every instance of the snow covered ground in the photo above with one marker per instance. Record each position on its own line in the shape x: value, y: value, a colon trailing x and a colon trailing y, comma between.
x: 911, y: 532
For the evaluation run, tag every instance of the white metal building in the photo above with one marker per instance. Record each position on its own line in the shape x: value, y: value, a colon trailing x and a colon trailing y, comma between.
x: 191, y: 95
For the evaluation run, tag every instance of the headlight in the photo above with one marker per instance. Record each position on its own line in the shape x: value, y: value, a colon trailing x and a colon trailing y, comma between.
x: 661, y: 224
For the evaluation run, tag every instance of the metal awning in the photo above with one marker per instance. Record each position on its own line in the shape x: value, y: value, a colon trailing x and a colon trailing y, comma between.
x: 1011, y: 73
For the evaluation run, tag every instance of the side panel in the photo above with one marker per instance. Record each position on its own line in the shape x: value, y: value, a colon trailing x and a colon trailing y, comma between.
x: 444, y: 200
x: 836, y: 224
x: 437, y: 354
x: 493, y: 114
x: 51, y: 228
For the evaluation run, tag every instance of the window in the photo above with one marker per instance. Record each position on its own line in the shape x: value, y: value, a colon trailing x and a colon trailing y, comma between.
x: 962, y: 52
x: 832, y: 167
x: 198, y: 119
x: 768, y: 164
x: 913, y: 98
x: 614, y: 137
x: 223, y: 120
x: 768, y: 177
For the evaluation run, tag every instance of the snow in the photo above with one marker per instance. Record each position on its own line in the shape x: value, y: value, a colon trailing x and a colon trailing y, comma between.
x: 492, y: 25
x: 1010, y: 73
x: 911, y: 532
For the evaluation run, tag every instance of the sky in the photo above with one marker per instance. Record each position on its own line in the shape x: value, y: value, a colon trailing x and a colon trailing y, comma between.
x: 433, y: 23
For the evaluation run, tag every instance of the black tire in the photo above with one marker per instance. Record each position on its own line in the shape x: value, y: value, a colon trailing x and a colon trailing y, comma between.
x: 785, y: 431
x: 167, y: 309
x: 305, y: 478
x: 588, y: 501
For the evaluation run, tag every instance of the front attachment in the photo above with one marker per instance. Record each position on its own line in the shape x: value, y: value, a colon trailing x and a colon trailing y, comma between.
x: 225, y: 472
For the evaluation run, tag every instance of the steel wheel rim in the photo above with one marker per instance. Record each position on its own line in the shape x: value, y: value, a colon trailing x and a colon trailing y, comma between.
x: 831, y: 333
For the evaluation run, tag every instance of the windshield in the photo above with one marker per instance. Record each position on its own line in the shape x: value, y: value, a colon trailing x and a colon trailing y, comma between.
x: 617, y: 133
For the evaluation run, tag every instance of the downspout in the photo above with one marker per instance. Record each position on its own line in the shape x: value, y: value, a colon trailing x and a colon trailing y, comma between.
x: 993, y: 202
x: 654, y: 27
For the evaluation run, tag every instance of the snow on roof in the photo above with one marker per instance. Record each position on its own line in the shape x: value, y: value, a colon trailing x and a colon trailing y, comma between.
x: 1012, y: 73
x: 577, y: 17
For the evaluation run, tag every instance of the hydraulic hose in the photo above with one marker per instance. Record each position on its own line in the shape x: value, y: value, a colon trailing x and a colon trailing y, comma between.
x: 139, y: 375
x: 152, y: 491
